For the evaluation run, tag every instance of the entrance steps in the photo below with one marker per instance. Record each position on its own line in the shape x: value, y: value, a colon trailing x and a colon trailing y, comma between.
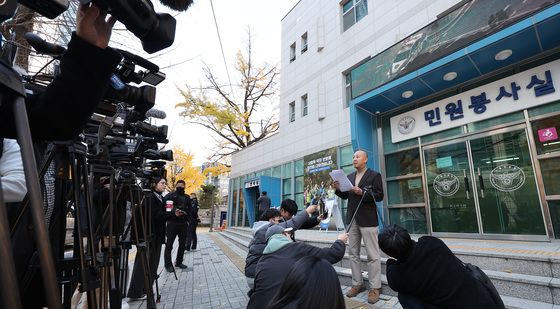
x: 526, y: 274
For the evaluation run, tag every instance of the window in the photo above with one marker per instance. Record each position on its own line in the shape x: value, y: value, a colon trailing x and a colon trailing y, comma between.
x: 293, y: 52
x: 292, y: 111
x: 304, y: 106
x: 348, y: 87
x: 304, y: 43
x: 352, y: 12
x: 298, y: 197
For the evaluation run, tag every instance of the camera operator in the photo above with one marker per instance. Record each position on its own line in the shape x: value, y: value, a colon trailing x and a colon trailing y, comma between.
x: 177, y: 226
x: 68, y: 102
x: 158, y: 218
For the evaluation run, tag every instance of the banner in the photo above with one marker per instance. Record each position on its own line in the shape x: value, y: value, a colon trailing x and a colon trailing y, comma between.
x: 317, y: 190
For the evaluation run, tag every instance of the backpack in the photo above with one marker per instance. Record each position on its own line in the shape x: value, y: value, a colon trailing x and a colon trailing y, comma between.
x: 479, y: 275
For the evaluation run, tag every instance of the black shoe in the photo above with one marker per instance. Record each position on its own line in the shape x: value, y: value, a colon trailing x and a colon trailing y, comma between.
x: 181, y: 265
x: 169, y: 269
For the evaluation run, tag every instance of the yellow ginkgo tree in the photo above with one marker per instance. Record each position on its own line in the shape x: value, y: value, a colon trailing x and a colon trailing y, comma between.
x: 236, y: 114
x: 182, y: 168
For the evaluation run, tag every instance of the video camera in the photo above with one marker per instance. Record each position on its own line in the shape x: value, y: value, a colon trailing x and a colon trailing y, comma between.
x: 156, y: 31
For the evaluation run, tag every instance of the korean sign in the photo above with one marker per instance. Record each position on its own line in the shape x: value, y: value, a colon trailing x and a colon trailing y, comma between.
x: 514, y: 93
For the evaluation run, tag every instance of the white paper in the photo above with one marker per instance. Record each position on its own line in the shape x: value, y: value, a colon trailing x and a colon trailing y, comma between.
x: 343, y: 181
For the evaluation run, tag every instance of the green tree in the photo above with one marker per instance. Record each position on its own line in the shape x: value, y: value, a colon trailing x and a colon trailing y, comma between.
x: 207, y: 196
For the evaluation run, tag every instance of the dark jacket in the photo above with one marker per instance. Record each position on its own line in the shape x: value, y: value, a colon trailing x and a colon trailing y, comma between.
x: 69, y: 101
x: 180, y: 201
x: 193, y: 217
x: 263, y: 202
x: 367, y: 214
x: 159, y: 216
x: 434, y: 274
x: 273, y: 268
x: 258, y: 243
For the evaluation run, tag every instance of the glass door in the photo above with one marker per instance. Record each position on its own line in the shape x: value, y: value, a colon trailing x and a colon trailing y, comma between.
x: 505, y: 183
x: 449, y: 183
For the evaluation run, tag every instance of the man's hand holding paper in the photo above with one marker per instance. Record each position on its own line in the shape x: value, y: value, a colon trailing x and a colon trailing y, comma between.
x: 341, y: 182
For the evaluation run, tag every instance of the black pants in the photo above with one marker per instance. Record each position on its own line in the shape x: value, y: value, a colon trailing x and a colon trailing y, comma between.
x: 408, y: 301
x: 191, y: 236
x: 137, y: 287
x: 173, y: 230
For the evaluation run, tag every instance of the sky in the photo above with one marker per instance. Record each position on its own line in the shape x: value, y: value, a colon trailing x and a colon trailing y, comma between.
x: 196, y: 42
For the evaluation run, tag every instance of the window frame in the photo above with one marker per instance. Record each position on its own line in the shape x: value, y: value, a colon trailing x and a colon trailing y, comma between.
x: 293, y: 52
x: 292, y: 112
x: 304, y: 105
x: 304, y: 42
x: 353, y: 10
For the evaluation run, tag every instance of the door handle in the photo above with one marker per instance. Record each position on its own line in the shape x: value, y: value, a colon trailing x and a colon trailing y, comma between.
x: 467, y: 186
x: 481, y: 182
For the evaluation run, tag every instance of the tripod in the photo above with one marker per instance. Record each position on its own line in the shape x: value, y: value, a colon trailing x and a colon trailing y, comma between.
x: 12, y: 89
x: 100, y: 259
x: 141, y: 225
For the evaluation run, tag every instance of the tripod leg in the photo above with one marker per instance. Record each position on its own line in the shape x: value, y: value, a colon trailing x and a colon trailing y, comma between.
x: 84, y: 267
x: 141, y: 250
x: 32, y: 180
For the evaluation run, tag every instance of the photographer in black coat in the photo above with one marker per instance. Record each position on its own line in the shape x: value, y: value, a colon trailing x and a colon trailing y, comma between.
x: 158, y: 217
x: 426, y: 274
x: 193, y: 223
x: 177, y: 226
x: 279, y: 255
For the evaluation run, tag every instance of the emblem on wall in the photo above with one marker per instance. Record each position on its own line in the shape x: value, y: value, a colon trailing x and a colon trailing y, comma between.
x: 446, y: 184
x: 507, y: 178
x: 406, y: 124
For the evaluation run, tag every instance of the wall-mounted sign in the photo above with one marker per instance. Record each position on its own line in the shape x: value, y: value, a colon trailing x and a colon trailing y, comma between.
x: 415, y: 183
x: 444, y: 162
x: 514, y: 93
x: 252, y: 183
x: 547, y: 135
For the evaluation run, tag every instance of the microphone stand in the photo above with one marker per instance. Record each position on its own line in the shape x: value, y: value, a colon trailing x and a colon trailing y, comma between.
x: 364, y: 191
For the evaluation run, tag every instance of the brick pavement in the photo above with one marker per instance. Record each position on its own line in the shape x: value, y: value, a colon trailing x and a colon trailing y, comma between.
x: 215, y: 279
x: 211, y: 281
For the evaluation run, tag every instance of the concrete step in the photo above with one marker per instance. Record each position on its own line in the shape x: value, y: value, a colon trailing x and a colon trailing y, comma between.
x: 538, y: 288
x: 508, y: 262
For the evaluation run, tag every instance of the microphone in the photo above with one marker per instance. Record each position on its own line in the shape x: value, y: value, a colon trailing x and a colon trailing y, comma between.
x: 41, y: 46
x: 177, y: 5
x: 156, y: 113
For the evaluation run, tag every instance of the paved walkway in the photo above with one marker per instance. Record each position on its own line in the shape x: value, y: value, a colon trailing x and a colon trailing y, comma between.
x: 532, y: 249
x: 211, y: 281
x: 237, y: 256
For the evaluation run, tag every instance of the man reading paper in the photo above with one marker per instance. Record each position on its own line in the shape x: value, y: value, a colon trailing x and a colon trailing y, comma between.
x: 368, y: 188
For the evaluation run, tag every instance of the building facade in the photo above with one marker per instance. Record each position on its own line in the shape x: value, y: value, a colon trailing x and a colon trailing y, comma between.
x: 454, y: 101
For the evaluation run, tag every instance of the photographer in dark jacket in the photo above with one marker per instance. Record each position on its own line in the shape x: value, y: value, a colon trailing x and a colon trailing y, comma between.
x: 193, y: 223
x: 269, y: 218
x: 68, y: 102
x: 158, y: 216
x: 426, y: 274
x: 177, y: 226
x: 280, y: 254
